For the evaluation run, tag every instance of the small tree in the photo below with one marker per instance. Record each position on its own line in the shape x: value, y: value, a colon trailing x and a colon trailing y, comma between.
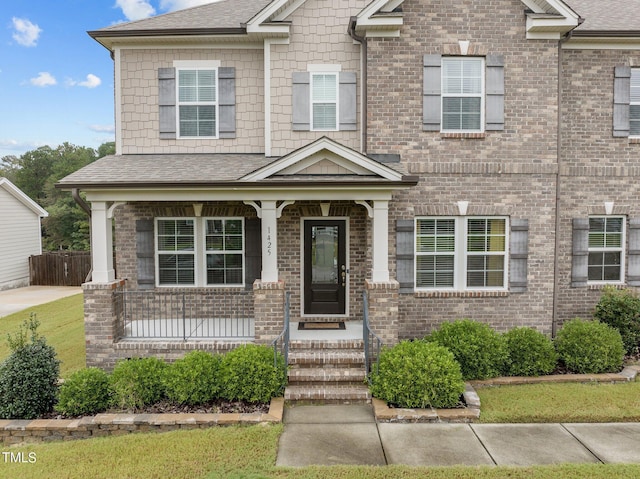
x: 29, y: 376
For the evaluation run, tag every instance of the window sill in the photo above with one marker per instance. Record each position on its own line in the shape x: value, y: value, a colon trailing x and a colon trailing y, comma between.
x: 634, y: 140
x: 455, y: 135
x: 461, y: 294
x: 601, y: 286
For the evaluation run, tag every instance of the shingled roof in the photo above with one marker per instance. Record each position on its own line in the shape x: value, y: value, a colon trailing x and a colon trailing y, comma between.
x: 223, y: 15
x: 607, y: 15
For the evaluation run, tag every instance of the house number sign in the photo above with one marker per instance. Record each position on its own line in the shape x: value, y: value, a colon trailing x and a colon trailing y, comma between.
x: 268, y: 240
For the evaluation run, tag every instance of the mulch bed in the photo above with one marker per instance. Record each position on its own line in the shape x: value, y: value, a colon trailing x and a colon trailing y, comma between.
x: 166, y: 407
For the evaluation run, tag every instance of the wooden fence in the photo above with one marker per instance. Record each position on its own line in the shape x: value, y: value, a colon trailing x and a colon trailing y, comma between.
x: 60, y: 268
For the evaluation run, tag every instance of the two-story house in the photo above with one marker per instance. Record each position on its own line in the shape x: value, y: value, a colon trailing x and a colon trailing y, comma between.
x: 416, y: 161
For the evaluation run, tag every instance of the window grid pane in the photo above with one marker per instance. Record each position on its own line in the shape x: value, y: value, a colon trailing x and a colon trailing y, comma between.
x: 606, y: 238
x: 324, y: 100
x: 434, y: 267
x: 177, y: 238
x: 222, y: 237
x: 486, y: 252
x: 197, y: 96
x: 462, y: 93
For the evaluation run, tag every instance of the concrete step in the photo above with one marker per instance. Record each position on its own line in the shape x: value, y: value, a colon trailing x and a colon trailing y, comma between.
x: 323, y: 394
x: 328, y: 357
x: 332, y: 376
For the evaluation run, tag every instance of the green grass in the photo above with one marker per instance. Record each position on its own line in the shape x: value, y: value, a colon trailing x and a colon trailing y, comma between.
x: 560, y: 403
x: 61, y: 323
x: 241, y: 453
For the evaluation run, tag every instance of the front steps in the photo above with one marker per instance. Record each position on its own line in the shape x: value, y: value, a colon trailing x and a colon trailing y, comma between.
x: 327, y: 372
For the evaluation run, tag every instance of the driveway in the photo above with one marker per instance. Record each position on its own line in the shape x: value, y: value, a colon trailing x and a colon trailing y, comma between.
x: 14, y: 300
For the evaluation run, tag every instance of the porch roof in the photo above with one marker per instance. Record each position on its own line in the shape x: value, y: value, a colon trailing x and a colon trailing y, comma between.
x: 153, y: 171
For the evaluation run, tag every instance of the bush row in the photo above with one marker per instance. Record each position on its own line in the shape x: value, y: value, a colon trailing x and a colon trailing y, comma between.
x: 431, y: 372
x: 247, y: 373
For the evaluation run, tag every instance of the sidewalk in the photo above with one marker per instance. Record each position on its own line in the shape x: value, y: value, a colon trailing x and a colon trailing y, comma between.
x: 14, y: 300
x: 331, y: 435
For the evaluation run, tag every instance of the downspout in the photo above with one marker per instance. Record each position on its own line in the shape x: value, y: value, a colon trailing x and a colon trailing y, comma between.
x: 75, y: 193
x: 556, y: 254
x: 363, y: 66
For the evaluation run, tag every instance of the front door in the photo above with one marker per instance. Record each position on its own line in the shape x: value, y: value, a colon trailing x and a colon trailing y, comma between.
x: 325, y: 268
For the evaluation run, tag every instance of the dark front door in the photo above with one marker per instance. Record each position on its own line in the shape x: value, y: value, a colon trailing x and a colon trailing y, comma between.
x: 325, y: 269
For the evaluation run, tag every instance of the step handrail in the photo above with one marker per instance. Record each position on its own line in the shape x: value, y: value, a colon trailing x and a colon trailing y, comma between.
x: 372, y: 342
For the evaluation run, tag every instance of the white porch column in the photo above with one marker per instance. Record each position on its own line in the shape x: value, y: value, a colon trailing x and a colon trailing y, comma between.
x: 101, y: 244
x: 269, y: 242
x: 380, y: 271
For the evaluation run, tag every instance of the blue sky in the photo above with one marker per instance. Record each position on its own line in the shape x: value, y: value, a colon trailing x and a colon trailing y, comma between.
x: 56, y: 82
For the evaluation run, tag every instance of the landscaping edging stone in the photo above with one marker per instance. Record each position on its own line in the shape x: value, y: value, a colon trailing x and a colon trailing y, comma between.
x: 384, y: 413
x: 15, y: 431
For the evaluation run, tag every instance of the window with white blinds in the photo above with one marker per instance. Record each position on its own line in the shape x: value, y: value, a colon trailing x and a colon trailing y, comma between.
x: 462, y: 94
x: 324, y: 101
x: 198, y: 102
x: 634, y: 104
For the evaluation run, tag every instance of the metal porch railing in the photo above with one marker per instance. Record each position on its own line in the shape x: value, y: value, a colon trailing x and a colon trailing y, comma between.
x: 185, y: 315
x: 372, y: 342
x: 281, y: 343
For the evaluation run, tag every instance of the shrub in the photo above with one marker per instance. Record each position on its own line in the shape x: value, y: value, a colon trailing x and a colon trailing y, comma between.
x: 418, y: 374
x: 249, y: 374
x: 620, y: 308
x: 29, y: 376
x: 193, y: 379
x: 138, y: 382
x: 590, y: 347
x: 530, y: 352
x: 86, y: 392
x: 479, y: 349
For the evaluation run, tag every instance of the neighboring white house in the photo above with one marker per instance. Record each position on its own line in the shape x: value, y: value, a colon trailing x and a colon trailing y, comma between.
x: 20, y: 234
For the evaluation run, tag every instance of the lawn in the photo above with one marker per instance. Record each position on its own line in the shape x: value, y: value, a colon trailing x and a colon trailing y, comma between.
x: 61, y: 323
x: 240, y: 453
x: 560, y: 403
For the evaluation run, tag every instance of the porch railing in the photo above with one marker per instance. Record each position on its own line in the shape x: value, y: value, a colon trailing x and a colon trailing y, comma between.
x: 185, y: 315
x: 372, y: 342
x: 281, y: 343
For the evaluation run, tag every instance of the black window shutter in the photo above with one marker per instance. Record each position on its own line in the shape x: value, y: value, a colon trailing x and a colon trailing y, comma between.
x: 633, y: 273
x: 518, y: 255
x: 145, y: 254
x: 405, y: 240
x: 252, y: 251
x: 227, y: 102
x: 621, y: 100
x: 301, y: 102
x: 494, y: 116
x: 431, y: 91
x: 580, y: 253
x: 167, y: 102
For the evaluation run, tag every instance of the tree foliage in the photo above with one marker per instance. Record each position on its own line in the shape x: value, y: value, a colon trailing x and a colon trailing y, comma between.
x: 36, y: 173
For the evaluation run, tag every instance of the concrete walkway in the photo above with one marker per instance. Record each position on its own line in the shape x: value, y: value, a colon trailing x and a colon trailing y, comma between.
x: 331, y: 435
x: 14, y: 300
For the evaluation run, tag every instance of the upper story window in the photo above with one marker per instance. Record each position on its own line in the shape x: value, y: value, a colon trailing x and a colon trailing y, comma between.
x: 461, y: 253
x: 198, y: 102
x: 324, y: 101
x: 606, y: 249
x: 462, y: 94
x: 634, y: 104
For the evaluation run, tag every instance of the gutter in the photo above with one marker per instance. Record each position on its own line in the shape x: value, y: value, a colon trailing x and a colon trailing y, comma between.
x: 556, y: 254
x: 351, y: 30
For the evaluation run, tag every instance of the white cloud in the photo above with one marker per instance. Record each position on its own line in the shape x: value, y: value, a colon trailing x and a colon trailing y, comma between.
x: 136, y: 9
x: 92, y: 81
x: 102, y: 128
x: 43, y: 79
x: 171, y: 5
x: 26, y: 33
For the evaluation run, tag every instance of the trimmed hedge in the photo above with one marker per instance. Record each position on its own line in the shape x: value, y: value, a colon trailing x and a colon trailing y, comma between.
x: 530, y: 352
x: 480, y: 350
x: 86, y: 392
x: 621, y: 310
x: 138, y: 382
x: 194, y: 379
x: 418, y: 374
x: 590, y: 347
